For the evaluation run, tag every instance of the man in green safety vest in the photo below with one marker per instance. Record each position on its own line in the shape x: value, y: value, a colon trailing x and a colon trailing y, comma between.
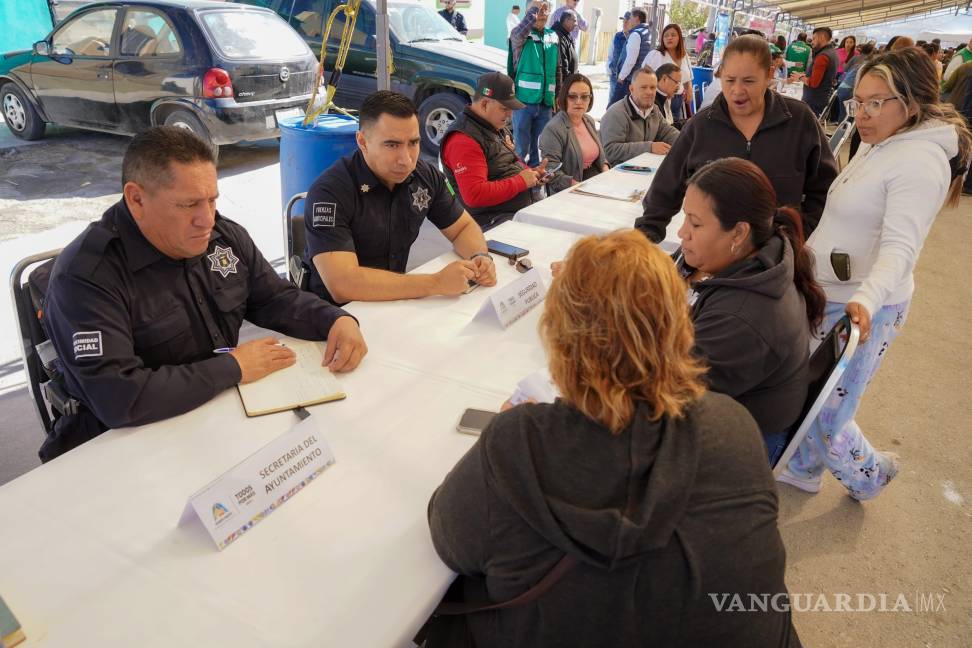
x: 533, y: 65
x: 798, y: 55
x: 960, y: 57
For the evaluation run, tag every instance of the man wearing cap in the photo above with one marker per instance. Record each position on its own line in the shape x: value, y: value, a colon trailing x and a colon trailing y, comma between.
x: 616, y: 50
x: 362, y: 215
x: 453, y: 17
x: 480, y: 160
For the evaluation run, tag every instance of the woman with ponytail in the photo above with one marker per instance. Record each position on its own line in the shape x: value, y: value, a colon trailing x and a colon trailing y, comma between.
x: 752, y: 293
x: 879, y: 210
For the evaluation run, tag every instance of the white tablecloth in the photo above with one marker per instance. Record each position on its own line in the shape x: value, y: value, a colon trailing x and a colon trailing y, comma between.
x: 574, y: 212
x: 90, y: 554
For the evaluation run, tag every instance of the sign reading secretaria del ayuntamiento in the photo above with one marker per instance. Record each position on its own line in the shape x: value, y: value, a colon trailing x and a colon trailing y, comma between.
x: 234, y: 502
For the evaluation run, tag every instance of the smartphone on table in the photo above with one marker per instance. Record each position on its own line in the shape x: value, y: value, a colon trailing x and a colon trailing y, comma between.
x: 511, y: 252
x: 637, y: 168
x: 474, y: 421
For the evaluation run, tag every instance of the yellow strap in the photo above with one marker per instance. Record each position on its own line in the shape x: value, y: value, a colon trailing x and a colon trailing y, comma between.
x: 351, y: 10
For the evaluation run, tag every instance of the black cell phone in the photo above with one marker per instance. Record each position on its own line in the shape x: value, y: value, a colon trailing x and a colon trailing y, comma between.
x: 840, y: 262
x: 470, y: 286
x: 506, y: 250
x: 474, y: 421
x: 637, y: 168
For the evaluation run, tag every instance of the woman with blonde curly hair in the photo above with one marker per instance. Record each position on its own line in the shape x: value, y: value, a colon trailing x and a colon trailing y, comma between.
x: 638, y: 490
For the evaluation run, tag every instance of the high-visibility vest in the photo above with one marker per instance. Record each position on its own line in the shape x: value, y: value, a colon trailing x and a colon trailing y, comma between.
x: 536, y: 70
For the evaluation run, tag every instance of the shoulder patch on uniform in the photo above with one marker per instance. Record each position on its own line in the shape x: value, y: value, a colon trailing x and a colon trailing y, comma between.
x: 87, y: 344
x: 324, y: 214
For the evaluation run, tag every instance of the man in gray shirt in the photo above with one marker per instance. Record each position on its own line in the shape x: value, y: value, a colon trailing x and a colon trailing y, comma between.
x: 635, y: 125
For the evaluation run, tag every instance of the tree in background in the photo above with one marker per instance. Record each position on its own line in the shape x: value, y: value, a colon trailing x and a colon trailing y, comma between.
x: 687, y: 15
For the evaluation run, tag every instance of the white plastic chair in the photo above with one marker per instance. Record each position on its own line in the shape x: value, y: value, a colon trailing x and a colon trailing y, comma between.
x: 827, y: 365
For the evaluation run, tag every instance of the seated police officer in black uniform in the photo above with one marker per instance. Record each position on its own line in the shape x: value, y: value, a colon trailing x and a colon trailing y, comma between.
x: 138, y: 304
x: 363, y: 214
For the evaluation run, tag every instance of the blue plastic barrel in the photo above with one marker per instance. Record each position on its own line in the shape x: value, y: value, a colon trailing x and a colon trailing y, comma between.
x: 701, y: 78
x: 305, y: 152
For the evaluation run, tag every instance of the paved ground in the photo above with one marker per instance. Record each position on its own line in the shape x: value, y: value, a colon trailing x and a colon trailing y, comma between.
x: 913, y: 540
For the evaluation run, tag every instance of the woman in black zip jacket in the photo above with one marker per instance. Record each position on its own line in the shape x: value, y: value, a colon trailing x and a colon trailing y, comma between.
x: 752, y: 293
x: 778, y: 134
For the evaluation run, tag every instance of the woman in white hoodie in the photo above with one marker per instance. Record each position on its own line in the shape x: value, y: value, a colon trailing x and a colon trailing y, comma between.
x: 878, y: 212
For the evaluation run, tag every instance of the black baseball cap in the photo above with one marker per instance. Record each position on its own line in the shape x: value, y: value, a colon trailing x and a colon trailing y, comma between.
x: 498, y: 86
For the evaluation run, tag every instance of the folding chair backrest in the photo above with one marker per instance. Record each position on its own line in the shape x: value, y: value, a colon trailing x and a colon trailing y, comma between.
x: 827, y: 364
x: 840, y: 136
x: 27, y: 294
x: 825, y: 113
x: 294, y: 242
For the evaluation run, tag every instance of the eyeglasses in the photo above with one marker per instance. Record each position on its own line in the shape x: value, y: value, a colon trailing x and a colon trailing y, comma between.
x: 523, y: 265
x: 872, y: 107
x: 578, y: 97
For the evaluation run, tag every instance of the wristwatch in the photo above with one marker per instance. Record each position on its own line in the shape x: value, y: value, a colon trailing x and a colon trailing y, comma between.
x: 482, y: 254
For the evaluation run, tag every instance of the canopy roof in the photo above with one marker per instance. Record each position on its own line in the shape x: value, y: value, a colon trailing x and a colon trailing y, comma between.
x: 848, y: 14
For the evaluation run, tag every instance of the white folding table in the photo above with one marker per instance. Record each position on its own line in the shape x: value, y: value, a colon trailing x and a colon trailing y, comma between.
x: 575, y: 212
x: 90, y: 550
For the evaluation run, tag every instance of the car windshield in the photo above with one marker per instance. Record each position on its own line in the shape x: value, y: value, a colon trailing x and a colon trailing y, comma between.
x: 413, y: 22
x: 253, y: 35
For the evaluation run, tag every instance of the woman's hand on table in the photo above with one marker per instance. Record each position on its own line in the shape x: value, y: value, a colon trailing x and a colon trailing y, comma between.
x: 556, y: 267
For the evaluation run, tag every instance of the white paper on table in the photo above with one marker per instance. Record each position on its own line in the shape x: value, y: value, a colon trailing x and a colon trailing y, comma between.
x: 606, y: 186
x: 538, y: 386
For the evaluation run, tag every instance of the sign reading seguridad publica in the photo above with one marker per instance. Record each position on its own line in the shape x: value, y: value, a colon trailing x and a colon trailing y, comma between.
x: 233, y: 503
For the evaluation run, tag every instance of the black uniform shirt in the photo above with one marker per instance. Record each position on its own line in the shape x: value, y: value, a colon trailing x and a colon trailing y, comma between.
x: 135, y: 330
x: 349, y: 210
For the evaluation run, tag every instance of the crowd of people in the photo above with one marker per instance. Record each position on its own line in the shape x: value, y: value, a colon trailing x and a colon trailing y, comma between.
x: 648, y: 482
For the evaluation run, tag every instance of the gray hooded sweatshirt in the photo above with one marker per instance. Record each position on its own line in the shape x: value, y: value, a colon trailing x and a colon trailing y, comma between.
x: 666, y: 519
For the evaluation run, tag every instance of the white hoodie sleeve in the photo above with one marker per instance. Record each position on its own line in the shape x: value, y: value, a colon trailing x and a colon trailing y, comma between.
x: 915, y: 194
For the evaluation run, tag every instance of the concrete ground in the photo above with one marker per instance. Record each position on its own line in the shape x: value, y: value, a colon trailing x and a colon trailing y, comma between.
x: 912, y: 541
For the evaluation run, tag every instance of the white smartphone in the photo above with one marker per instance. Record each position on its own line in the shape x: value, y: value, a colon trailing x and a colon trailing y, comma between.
x: 474, y: 421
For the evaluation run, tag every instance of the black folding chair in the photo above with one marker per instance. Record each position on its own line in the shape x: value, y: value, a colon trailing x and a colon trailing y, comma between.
x: 294, y: 240
x: 827, y: 365
x: 841, y: 134
x: 36, y: 350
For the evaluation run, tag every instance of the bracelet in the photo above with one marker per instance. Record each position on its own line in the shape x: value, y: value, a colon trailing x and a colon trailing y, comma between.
x: 482, y: 254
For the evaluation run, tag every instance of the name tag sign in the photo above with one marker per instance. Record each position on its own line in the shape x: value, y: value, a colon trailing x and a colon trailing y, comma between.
x: 232, y: 504
x: 516, y: 299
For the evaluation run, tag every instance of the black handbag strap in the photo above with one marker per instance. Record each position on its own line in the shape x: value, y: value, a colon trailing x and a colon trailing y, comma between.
x: 559, y: 571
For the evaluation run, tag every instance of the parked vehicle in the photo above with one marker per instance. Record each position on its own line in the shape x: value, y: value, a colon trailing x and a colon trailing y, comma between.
x: 225, y: 71
x: 433, y: 64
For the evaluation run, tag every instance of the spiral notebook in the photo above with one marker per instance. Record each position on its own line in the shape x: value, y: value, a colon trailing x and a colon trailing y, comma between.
x: 303, y: 384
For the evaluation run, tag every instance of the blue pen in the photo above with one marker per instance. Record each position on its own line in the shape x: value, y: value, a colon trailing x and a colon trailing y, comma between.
x: 224, y: 350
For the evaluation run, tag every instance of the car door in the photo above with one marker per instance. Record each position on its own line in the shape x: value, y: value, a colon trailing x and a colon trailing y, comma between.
x: 358, y: 80
x: 150, y: 66
x: 74, y: 83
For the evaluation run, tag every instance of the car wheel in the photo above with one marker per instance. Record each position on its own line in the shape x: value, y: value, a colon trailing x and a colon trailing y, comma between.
x: 436, y: 115
x: 21, y: 117
x: 185, y: 119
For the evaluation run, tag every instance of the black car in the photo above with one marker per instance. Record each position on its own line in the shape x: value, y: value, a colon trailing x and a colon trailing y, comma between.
x: 225, y: 71
x: 431, y: 62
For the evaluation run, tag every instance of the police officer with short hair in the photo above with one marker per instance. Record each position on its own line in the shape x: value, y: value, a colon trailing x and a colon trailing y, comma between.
x: 139, y: 304
x: 362, y: 215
